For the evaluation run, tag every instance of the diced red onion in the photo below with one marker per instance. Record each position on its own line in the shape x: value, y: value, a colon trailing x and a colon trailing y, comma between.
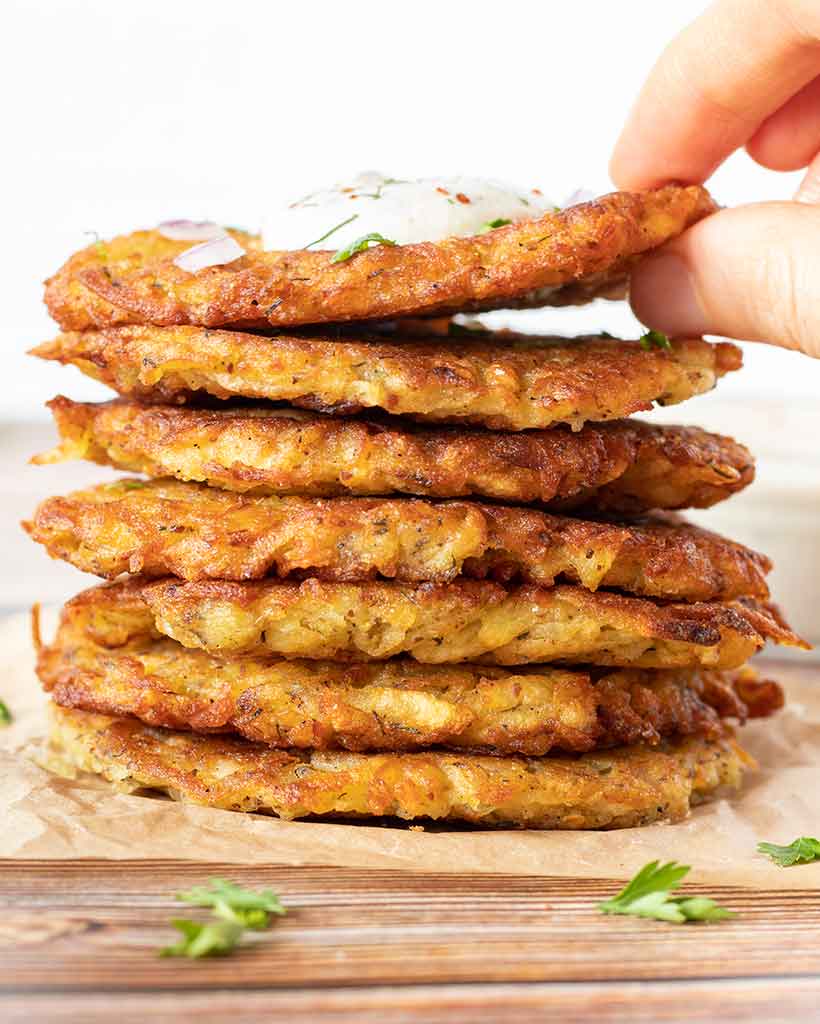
x: 190, y: 230
x: 213, y: 253
x: 580, y: 195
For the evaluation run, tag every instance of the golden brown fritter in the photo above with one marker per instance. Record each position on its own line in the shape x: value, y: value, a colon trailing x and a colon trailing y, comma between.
x: 469, y: 620
x: 621, y: 788
x: 98, y: 662
x: 510, y: 382
x: 622, y: 466
x: 165, y: 527
x: 571, y: 255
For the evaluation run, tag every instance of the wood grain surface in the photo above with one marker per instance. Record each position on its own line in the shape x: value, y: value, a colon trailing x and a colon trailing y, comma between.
x: 79, y: 942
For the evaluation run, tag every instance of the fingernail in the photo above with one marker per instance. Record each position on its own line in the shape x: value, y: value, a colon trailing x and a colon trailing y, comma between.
x: 663, y: 296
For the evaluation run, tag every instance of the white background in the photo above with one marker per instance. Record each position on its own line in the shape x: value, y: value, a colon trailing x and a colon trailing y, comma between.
x: 120, y: 115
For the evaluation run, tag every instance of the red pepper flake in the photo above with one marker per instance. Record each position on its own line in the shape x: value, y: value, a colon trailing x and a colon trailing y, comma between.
x: 443, y: 191
x: 537, y: 192
x: 463, y: 199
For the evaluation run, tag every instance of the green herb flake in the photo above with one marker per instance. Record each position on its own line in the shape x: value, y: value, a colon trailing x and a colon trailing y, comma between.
x: 491, y: 225
x: 332, y: 231
x: 130, y: 485
x: 249, y: 908
x: 99, y: 245
x: 803, y: 850
x: 211, y: 938
x: 6, y: 717
x: 655, y: 339
x: 374, y: 238
x: 648, y: 895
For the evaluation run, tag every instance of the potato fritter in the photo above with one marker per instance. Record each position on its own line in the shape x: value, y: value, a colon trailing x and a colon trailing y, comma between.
x: 619, y: 789
x: 165, y: 527
x: 571, y: 255
x: 511, y: 382
x: 621, y: 466
x: 468, y: 620
x: 99, y: 663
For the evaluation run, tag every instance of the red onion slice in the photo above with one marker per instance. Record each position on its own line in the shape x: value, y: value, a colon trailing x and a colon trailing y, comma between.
x: 190, y: 230
x: 213, y: 253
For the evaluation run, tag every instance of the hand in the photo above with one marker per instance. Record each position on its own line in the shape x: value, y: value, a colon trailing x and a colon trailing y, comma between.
x: 745, y: 73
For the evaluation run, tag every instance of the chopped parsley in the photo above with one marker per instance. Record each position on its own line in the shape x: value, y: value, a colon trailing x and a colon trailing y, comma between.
x: 99, y: 245
x: 803, y: 850
x: 649, y: 895
x: 378, y: 193
x: 211, y: 938
x: 374, y: 238
x: 233, y: 903
x: 332, y: 231
x: 5, y: 714
x: 491, y: 225
x: 234, y: 909
x: 654, y: 339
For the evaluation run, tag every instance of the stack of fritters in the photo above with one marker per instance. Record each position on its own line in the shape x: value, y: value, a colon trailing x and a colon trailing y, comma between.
x: 447, y: 590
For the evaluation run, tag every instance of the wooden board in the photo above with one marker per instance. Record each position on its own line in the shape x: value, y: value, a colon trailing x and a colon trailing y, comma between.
x: 79, y: 942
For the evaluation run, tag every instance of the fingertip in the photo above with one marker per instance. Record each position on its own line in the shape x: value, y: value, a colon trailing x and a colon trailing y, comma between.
x: 663, y: 296
x: 765, y: 149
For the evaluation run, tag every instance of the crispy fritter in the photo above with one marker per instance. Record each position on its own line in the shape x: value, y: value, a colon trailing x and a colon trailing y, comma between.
x: 512, y: 382
x: 165, y: 527
x: 567, y: 256
x: 100, y: 662
x: 434, y: 623
x: 622, y: 466
x: 622, y: 788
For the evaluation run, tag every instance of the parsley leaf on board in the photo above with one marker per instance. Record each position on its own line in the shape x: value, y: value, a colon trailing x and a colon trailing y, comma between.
x: 360, y: 245
x: 648, y: 895
x: 210, y: 938
x: 654, y: 339
x: 803, y: 850
x: 5, y: 715
x: 250, y: 908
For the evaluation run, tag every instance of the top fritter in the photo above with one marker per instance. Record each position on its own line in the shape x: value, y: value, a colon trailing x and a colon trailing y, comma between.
x: 563, y: 257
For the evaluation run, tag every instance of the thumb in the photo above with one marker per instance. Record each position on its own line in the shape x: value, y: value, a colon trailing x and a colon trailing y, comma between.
x: 751, y: 273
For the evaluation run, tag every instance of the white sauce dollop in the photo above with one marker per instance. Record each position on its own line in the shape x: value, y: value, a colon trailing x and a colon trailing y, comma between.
x: 425, y: 210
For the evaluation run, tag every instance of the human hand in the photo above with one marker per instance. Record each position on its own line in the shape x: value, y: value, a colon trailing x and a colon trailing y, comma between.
x: 745, y: 73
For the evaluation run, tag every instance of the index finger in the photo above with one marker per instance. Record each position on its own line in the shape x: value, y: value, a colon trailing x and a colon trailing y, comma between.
x: 712, y: 87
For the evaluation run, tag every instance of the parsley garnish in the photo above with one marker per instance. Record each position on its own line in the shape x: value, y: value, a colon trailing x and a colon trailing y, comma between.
x: 491, y: 225
x: 802, y: 851
x: 378, y: 193
x: 332, y: 231
x: 360, y: 245
x: 212, y: 938
x: 654, y: 339
x: 99, y: 245
x: 5, y: 714
x: 648, y: 895
x: 233, y: 903
x: 234, y: 910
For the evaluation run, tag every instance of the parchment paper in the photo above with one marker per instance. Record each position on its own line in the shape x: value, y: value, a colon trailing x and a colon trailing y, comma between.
x: 51, y: 818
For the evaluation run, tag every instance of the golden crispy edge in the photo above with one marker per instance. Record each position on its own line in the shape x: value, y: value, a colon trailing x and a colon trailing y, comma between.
x: 111, y: 662
x: 620, y: 466
x: 443, y: 623
x: 587, y: 248
x: 514, y: 382
x: 161, y: 528
x: 629, y: 786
